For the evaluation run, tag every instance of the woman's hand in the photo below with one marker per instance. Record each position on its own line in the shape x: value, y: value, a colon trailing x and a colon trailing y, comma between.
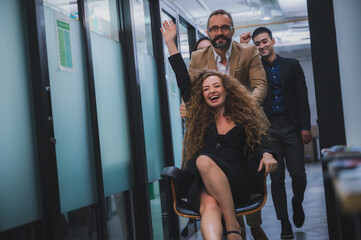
x: 183, y: 110
x: 268, y: 162
x: 169, y: 32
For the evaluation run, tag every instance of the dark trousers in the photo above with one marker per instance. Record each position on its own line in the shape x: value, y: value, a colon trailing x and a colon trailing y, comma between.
x: 290, y: 152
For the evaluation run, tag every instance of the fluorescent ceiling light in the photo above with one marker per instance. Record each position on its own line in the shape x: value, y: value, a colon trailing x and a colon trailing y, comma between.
x: 265, y: 13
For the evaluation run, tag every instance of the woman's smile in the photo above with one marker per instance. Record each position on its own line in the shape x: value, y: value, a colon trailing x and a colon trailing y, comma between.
x: 213, y: 92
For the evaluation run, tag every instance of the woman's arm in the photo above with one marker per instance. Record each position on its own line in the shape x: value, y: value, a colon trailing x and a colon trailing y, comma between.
x: 265, y: 157
x: 176, y: 61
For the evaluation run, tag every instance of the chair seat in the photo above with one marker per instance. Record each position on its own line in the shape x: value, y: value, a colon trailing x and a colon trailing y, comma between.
x: 250, y: 205
x: 183, y: 207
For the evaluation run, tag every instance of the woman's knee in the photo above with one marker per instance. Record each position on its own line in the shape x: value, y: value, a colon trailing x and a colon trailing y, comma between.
x: 210, y: 206
x: 204, y: 162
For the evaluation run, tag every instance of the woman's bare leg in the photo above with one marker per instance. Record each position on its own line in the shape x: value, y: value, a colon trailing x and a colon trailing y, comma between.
x: 217, y: 185
x: 211, y: 213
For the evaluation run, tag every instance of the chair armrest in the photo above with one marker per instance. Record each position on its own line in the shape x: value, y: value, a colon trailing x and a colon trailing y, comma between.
x: 175, y: 174
x: 171, y: 172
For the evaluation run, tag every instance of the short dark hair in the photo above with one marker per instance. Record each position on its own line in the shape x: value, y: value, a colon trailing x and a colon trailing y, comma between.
x: 220, y: 12
x: 261, y: 30
x: 200, y: 40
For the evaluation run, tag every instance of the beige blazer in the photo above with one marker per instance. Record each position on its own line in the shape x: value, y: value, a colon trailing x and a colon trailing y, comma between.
x: 245, y: 65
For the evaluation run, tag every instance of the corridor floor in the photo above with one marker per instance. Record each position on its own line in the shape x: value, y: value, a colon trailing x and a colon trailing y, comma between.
x: 315, y: 227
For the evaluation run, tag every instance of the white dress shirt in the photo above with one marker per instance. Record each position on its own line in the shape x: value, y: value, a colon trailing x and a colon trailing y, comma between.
x: 220, y: 67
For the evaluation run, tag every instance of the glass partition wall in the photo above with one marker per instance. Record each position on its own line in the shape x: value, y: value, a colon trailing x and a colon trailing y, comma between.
x: 150, y: 100
x: 110, y: 92
x: 19, y: 182
x: 82, y: 120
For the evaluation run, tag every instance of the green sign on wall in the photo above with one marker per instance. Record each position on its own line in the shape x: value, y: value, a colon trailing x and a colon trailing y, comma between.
x: 64, y: 44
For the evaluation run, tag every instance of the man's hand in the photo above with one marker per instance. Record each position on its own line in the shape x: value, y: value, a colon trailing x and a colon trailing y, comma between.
x: 245, y: 37
x: 306, y: 136
x: 183, y: 110
x: 268, y: 162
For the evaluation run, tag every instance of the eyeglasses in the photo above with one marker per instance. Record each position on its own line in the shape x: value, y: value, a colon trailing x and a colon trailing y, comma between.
x: 224, y: 28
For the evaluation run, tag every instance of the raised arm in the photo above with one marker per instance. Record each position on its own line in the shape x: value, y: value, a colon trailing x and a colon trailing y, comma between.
x: 169, y: 32
x: 245, y: 37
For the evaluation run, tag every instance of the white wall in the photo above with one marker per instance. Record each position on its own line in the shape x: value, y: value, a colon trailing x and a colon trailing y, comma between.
x: 348, y: 34
x: 306, y: 63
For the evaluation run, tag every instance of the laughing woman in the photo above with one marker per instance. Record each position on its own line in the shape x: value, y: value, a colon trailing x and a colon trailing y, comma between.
x: 222, y: 146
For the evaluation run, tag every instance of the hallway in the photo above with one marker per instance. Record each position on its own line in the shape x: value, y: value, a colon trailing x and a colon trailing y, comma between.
x: 315, y: 227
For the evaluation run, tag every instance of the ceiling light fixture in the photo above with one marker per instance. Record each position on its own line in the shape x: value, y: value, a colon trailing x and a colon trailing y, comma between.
x: 265, y: 13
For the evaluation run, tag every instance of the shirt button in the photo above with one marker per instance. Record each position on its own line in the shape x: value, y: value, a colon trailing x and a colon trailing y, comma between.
x: 273, y: 68
x: 277, y: 107
x: 218, y: 145
x: 274, y: 76
x: 276, y: 97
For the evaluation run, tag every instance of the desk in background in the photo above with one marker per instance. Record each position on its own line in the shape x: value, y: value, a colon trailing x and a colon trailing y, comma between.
x: 342, y: 181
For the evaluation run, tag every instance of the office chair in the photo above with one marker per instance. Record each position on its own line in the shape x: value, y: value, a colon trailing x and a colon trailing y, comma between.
x: 182, y: 208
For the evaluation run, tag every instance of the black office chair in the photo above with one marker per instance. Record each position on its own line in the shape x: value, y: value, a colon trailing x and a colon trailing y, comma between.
x: 182, y: 208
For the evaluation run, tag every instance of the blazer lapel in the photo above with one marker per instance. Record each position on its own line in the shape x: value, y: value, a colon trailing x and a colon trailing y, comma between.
x: 235, y: 55
x: 211, y: 62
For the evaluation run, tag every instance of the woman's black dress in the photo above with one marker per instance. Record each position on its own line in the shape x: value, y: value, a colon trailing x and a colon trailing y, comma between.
x: 227, y: 151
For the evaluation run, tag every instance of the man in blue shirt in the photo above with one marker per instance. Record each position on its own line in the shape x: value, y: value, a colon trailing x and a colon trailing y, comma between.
x: 286, y: 106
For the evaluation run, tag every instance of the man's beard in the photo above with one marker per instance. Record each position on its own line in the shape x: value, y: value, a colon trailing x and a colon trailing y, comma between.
x: 221, y: 45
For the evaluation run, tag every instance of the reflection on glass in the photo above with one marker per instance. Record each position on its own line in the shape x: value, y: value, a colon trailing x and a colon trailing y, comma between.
x: 118, y: 220
x: 79, y: 224
x: 149, y: 90
x: 112, y: 111
x: 155, y: 205
x: 142, y: 27
x: 184, y: 42
x: 67, y: 7
x: 103, y: 18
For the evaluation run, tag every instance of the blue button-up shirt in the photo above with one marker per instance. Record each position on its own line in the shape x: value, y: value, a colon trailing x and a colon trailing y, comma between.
x: 274, y: 75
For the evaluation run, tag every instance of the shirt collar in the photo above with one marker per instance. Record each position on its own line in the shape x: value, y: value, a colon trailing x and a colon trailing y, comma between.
x: 276, y: 61
x: 228, y: 54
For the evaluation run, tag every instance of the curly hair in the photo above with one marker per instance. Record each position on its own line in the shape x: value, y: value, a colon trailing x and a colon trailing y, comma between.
x: 239, y: 107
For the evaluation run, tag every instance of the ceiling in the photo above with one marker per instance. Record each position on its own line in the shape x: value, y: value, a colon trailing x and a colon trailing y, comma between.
x: 286, y: 18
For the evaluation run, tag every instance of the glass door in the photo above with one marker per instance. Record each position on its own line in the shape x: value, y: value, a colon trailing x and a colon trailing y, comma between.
x: 71, y: 119
x: 19, y: 181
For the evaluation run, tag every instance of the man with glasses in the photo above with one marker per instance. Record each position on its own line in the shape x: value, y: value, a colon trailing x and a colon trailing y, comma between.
x: 239, y: 61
